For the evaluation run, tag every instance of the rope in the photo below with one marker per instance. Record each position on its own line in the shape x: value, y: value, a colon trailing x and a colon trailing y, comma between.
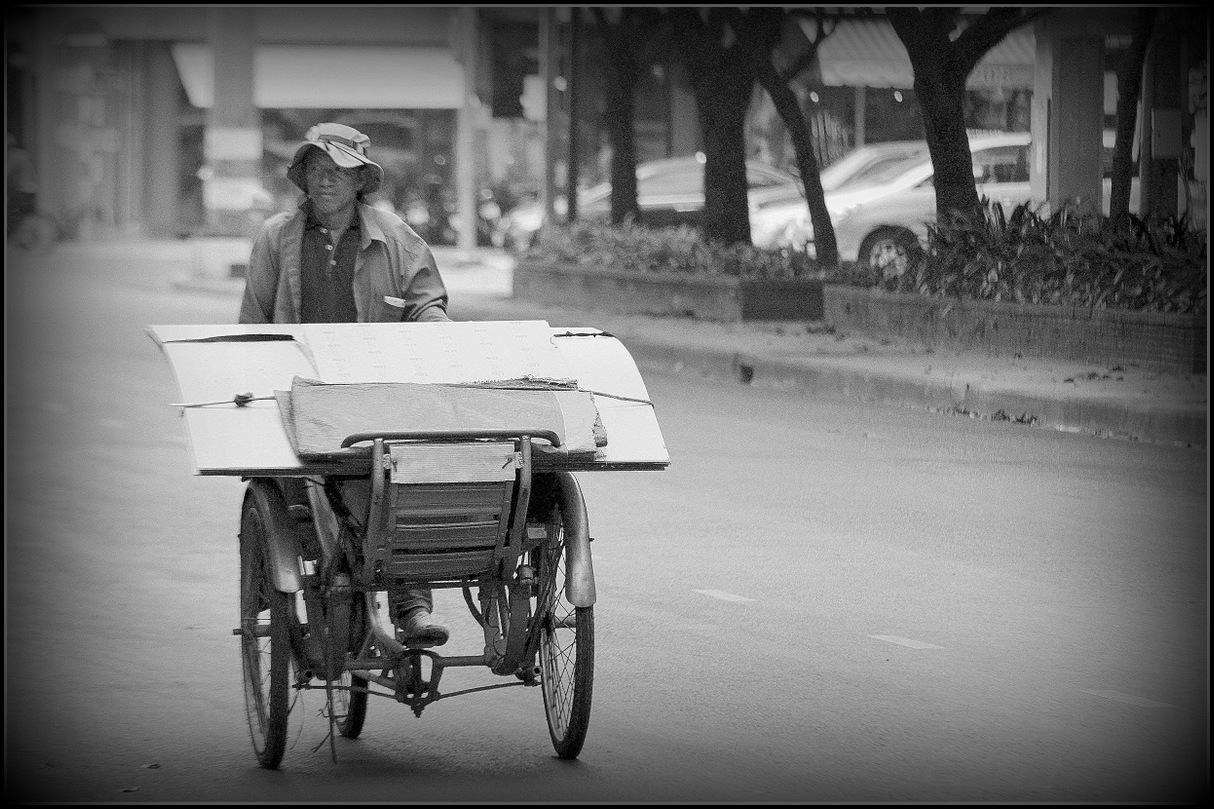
x: 544, y: 383
x: 240, y: 400
x: 528, y: 383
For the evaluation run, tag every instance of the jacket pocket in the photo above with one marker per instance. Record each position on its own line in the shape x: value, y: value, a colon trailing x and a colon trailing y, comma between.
x: 388, y: 309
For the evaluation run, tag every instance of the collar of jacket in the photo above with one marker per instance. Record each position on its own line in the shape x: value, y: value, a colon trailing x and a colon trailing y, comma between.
x: 369, y: 229
x: 290, y: 243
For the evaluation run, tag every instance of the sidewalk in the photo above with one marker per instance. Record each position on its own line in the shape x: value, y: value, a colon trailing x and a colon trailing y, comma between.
x: 1124, y: 403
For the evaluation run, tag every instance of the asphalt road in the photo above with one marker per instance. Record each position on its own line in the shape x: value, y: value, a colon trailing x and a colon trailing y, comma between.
x: 814, y: 603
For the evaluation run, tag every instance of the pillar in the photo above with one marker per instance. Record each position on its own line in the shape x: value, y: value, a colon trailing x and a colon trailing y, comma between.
x: 160, y: 161
x: 232, y: 143
x: 84, y: 100
x: 573, y: 91
x: 1068, y: 109
x: 554, y: 72
x: 1161, y: 124
x: 466, y: 38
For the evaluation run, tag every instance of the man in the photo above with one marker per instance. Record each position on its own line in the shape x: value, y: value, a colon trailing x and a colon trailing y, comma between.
x: 336, y: 259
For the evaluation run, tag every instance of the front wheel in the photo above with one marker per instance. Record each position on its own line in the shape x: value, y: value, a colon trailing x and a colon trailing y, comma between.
x: 890, y: 253
x: 566, y: 645
x: 265, y: 632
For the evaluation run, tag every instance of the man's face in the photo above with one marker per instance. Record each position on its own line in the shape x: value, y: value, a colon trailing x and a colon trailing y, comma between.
x: 330, y: 188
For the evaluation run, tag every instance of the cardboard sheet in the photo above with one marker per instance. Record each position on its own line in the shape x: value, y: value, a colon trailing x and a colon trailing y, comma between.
x: 318, y: 417
x: 214, y: 365
x: 219, y: 371
x: 433, y: 352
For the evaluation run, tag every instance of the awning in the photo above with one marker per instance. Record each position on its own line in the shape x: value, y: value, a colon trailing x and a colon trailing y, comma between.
x: 337, y: 77
x: 868, y: 53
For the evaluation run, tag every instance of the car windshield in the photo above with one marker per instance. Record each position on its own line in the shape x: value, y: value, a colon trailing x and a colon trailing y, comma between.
x: 1002, y: 164
x: 689, y: 179
x: 756, y: 178
x: 887, y: 171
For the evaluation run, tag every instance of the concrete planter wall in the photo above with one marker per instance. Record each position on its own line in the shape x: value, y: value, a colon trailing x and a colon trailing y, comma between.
x: 1174, y: 343
x: 704, y: 297
x: 1152, y: 340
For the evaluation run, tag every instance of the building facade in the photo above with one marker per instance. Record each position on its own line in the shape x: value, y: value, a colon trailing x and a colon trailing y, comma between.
x: 170, y: 120
x: 177, y: 120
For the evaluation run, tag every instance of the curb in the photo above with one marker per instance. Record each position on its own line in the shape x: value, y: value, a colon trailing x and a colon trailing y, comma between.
x: 1184, y: 426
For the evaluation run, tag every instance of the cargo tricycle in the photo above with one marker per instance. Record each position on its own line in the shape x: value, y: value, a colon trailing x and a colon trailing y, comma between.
x: 380, y: 458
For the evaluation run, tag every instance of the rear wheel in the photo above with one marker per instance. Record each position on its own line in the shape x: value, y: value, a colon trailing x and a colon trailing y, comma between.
x: 265, y: 632
x: 890, y: 253
x: 350, y: 697
x: 566, y: 645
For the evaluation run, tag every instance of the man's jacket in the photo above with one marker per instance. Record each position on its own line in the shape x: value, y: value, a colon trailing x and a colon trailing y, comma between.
x: 395, y: 276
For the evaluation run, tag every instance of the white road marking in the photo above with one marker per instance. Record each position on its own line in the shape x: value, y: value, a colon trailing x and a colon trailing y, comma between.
x: 721, y: 594
x: 913, y: 644
x: 1129, y: 699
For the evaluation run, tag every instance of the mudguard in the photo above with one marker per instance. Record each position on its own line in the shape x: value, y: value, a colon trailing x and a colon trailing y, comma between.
x: 282, y: 546
x: 283, y: 553
x: 579, y: 579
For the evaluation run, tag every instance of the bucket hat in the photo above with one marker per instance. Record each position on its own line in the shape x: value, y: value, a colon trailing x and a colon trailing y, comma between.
x: 345, y: 144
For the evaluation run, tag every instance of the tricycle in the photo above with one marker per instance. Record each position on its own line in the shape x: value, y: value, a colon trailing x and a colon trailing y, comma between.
x: 361, y: 486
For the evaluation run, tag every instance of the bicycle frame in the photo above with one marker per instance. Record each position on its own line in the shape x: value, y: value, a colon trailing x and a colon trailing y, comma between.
x: 357, y: 563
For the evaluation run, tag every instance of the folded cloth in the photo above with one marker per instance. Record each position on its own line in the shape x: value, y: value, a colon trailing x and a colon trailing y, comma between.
x: 319, y: 416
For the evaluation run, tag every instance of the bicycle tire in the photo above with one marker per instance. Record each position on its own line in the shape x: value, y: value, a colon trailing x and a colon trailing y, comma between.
x: 566, y: 645
x: 265, y: 636
x: 350, y: 699
x: 890, y: 253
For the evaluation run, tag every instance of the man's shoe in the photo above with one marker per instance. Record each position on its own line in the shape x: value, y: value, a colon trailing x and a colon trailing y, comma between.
x: 421, y: 631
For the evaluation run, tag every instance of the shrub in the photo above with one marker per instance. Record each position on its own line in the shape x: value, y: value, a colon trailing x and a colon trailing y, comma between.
x: 1066, y: 258
x: 668, y: 250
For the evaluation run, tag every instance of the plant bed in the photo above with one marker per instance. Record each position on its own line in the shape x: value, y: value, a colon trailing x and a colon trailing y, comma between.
x: 1125, y: 292
x: 667, y: 271
x: 1159, y: 341
x: 1069, y: 286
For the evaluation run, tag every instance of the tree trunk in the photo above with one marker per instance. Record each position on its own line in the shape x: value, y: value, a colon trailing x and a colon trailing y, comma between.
x: 721, y: 80
x: 761, y: 31
x: 943, y: 105
x: 621, y: 101
x: 625, y: 39
x: 1129, y: 90
x: 726, y: 206
x: 940, y: 73
x: 826, y: 248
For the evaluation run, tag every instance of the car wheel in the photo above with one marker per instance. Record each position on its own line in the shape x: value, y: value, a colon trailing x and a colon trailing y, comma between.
x: 890, y: 252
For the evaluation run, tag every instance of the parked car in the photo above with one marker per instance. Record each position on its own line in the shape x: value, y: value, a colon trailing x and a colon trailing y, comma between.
x: 854, y: 169
x: 883, y: 216
x: 670, y: 192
